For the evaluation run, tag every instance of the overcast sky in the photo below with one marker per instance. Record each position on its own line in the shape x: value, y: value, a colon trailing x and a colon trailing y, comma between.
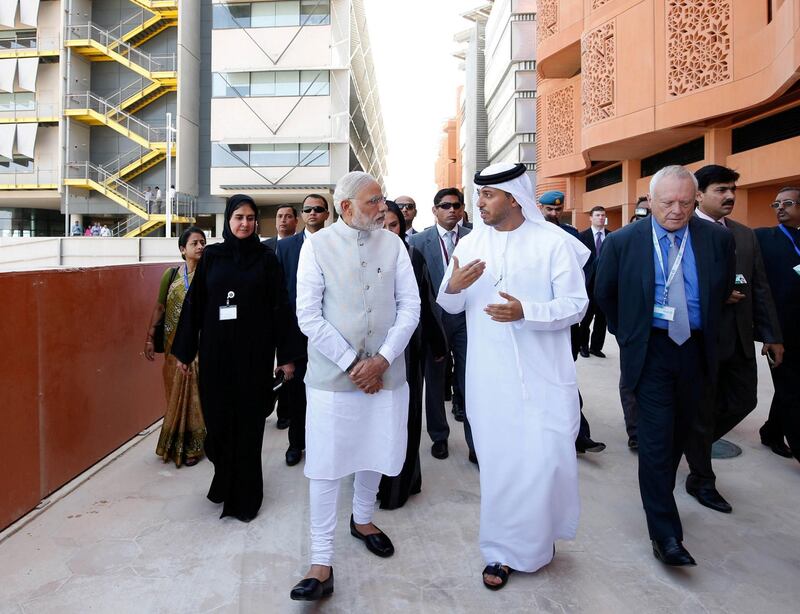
x: 413, y: 46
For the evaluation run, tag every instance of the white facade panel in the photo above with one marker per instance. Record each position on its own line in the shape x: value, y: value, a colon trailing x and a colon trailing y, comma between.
x: 271, y: 49
x: 28, y: 12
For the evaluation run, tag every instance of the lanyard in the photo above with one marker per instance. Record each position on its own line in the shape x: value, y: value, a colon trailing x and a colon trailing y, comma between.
x: 444, y: 247
x: 675, y: 265
x: 788, y: 234
x: 185, y: 278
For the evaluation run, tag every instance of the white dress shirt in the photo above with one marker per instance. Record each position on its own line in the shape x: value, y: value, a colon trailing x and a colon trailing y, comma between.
x: 708, y: 218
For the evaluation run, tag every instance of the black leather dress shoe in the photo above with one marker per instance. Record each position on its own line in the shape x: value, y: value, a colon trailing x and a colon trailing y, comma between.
x: 378, y: 543
x: 585, y: 444
x: 283, y: 423
x: 311, y: 589
x: 584, y: 352
x: 633, y: 444
x: 710, y: 497
x: 777, y: 446
x: 671, y: 552
x: 293, y: 456
x: 598, y: 353
x: 439, y: 449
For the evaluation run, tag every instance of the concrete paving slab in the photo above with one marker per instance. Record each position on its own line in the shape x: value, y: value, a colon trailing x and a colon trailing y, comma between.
x: 140, y: 536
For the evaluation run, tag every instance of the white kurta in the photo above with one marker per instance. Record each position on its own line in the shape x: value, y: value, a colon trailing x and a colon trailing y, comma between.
x: 521, y: 390
x: 348, y: 431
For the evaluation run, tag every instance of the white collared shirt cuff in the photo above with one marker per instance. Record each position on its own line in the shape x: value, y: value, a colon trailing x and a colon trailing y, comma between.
x: 347, y: 360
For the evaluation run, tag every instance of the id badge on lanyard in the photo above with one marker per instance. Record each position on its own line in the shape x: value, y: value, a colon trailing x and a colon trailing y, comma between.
x: 228, y: 311
x: 663, y: 311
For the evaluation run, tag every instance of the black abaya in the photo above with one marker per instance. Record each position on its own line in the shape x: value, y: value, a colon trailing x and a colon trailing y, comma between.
x: 236, y: 363
x: 395, y: 491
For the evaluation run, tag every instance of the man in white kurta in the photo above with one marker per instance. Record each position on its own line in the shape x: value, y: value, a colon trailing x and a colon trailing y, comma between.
x: 358, y: 304
x: 520, y: 281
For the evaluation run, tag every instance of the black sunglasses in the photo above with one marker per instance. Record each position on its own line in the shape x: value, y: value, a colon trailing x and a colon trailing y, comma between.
x: 406, y: 205
x: 314, y: 209
x: 446, y: 206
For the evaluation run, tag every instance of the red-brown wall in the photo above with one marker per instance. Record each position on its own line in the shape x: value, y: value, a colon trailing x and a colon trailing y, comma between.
x: 73, y: 381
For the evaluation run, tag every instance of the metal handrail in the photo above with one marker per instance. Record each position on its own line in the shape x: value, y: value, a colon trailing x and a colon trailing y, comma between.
x: 38, y: 42
x: 92, y: 172
x: 117, y: 98
x: 137, y: 19
x: 39, y: 109
x: 151, y: 63
x: 125, y: 159
x: 185, y: 205
x: 89, y: 100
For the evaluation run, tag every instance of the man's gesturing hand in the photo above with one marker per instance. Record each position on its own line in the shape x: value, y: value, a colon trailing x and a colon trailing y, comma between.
x: 367, y: 374
x: 508, y: 312
x: 463, y: 277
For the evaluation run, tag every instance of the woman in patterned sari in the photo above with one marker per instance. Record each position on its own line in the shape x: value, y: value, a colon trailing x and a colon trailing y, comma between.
x: 183, y: 430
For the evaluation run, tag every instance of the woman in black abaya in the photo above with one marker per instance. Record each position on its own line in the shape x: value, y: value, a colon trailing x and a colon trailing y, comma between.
x: 236, y: 313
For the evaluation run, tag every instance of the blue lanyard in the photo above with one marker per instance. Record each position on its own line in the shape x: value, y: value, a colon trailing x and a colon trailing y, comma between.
x: 185, y: 278
x: 788, y: 234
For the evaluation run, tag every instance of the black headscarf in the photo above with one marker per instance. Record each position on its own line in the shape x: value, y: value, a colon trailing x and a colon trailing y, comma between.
x: 244, y: 251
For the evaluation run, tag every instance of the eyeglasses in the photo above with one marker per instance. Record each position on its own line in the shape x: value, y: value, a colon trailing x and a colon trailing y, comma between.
x: 785, y: 203
x: 314, y: 209
x: 375, y: 200
x: 447, y: 206
x: 409, y: 206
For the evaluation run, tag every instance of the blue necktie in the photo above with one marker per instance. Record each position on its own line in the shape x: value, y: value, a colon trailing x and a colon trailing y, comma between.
x: 679, y: 330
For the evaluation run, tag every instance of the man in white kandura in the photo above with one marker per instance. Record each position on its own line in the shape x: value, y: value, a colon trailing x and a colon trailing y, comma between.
x: 522, y: 287
x: 358, y: 304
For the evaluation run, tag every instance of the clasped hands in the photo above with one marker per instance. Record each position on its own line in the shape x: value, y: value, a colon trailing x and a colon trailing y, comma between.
x: 463, y: 277
x: 367, y: 374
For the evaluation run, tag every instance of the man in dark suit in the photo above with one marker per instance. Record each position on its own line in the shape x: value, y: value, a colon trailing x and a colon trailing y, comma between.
x: 662, y: 283
x: 315, y: 213
x: 286, y: 225
x: 780, y: 246
x: 748, y: 316
x: 551, y: 204
x: 436, y: 244
x: 593, y: 238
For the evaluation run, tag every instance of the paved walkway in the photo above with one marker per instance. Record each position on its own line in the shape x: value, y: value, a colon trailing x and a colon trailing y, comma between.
x: 140, y: 537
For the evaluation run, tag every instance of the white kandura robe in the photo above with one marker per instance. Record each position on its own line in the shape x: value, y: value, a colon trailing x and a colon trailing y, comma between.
x: 521, y: 390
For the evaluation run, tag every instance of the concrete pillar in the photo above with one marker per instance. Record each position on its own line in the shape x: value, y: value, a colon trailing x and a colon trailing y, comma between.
x: 219, y: 224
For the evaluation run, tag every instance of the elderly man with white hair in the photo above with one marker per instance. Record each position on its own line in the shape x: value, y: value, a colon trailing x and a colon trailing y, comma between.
x: 520, y: 281
x: 662, y: 282
x: 358, y: 304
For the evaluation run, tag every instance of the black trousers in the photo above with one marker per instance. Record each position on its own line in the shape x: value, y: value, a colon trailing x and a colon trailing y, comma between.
x: 435, y: 416
x: 669, y: 393
x: 784, y: 413
x: 296, y: 399
x: 630, y: 409
x: 725, y: 404
x: 598, y: 336
x: 583, y: 430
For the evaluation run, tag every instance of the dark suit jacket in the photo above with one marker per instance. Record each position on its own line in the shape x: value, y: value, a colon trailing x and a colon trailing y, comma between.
x: 625, y: 288
x: 754, y: 317
x: 587, y: 238
x: 271, y: 243
x: 288, y: 252
x: 429, y: 245
x: 779, y: 258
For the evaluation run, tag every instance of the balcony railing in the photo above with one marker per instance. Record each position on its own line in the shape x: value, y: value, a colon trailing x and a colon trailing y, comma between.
x: 44, y: 110
x: 42, y: 41
x: 30, y: 179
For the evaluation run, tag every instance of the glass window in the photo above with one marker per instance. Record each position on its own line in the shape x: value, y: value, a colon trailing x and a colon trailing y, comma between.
x: 235, y: 84
x: 21, y: 164
x: 25, y: 101
x: 274, y: 155
x: 314, y: 154
x: 262, y: 84
x: 223, y: 155
x: 231, y: 16
x: 6, y: 102
x: 287, y: 83
x: 315, y: 12
x: 218, y: 85
x: 262, y: 15
x: 287, y: 13
x: 315, y: 82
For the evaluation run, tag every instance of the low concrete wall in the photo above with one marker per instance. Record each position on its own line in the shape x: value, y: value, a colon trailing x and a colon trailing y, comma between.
x: 73, y: 381
x: 29, y: 254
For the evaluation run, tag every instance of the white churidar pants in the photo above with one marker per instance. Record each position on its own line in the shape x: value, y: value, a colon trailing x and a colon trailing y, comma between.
x: 324, y: 496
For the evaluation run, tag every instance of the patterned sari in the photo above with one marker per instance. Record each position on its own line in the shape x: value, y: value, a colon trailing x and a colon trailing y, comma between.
x: 183, y: 431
